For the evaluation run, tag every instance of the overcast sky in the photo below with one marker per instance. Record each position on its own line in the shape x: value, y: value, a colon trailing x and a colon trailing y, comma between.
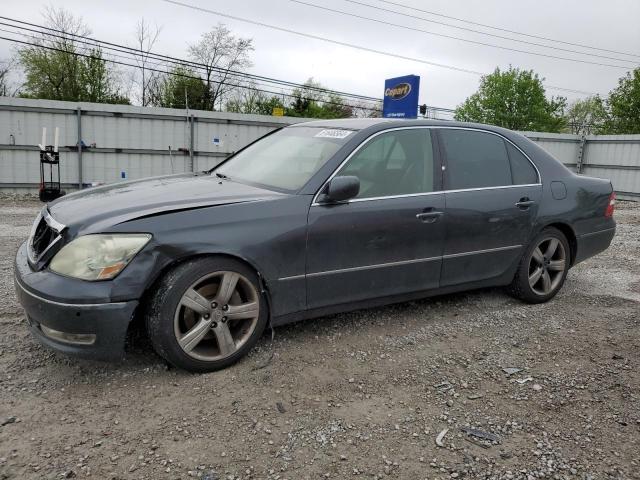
x: 611, y: 24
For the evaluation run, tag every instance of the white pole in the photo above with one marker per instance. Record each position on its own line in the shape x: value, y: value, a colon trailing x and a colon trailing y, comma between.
x: 55, y: 141
x: 44, y: 139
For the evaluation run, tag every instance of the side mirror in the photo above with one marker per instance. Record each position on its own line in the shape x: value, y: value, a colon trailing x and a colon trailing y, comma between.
x: 342, y: 188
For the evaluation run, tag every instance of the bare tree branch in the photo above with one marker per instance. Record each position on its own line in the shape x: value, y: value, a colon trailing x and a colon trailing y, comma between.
x: 146, y: 38
x: 221, y: 52
x: 4, y: 79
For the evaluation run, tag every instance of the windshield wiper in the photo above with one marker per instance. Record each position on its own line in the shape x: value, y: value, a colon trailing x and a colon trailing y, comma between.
x: 221, y: 175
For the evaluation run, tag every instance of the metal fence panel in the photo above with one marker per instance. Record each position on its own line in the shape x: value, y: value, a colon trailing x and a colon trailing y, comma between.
x: 22, y: 166
x: 622, y: 150
x: 625, y: 182
x: 562, y: 146
x: 134, y: 142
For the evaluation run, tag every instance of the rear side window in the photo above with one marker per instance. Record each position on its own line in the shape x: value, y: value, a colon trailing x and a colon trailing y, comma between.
x: 521, y: 169
x: 475, y: 159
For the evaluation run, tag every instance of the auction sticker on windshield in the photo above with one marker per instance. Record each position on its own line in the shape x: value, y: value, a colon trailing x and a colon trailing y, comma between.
x: 333, y: 133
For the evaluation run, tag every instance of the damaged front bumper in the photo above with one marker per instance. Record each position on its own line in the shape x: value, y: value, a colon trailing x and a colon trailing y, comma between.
x: 90, y: 329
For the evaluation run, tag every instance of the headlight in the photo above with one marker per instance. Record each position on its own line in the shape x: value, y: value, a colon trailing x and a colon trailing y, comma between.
x: 98, y: 257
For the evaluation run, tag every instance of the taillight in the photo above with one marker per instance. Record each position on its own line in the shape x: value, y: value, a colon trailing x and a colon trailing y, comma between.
x: 611, y: 205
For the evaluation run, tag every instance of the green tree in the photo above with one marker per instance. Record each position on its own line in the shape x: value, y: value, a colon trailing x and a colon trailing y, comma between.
x: 266, y: 106
x: 623, y: 105
x: 586, y: 116
x: 310, y: 102
x: 252, y: 100
x: 60, y: 68
x: 182, y: 88
x: 334, y: 107
x: 513, y: 99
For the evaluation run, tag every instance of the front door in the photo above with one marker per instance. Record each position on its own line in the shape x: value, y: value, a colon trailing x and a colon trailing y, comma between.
x: 389, y: 239
x: 492, y: 198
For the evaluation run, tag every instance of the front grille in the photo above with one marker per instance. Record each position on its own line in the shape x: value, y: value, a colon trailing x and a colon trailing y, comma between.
x: 44, y: 234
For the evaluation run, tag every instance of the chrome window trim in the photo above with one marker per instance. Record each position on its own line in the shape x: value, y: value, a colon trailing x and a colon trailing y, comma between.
x: 492, y: 188
x: 401, y: 262
x: 315, y: 202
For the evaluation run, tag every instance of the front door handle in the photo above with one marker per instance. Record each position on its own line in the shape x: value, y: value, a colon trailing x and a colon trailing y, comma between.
x: 429, y: 217
x: 524, y: 203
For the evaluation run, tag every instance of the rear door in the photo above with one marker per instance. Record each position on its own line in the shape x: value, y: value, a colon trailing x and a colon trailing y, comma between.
x: 389, y: 239
x: 492, y: 195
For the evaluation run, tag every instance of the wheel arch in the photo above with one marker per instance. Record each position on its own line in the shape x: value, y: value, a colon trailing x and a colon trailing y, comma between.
x: 150, y: 287
x: 569, y: 233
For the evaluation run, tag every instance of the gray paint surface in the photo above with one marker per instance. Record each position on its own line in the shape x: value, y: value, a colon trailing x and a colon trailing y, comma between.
x: 136, y: 140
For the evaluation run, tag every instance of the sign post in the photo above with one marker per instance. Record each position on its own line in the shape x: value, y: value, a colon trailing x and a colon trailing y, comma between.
x: 401, y: 97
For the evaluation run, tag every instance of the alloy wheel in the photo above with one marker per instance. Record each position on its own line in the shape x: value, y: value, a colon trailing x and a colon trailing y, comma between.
x: 547, y: 265
x: 216, y: 316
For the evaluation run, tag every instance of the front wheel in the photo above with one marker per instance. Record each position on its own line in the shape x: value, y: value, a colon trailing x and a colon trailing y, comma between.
x: 543, y: 268
x: 206, y: 314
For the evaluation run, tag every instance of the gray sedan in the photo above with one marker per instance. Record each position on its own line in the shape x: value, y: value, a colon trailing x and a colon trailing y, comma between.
x: 312, y: 219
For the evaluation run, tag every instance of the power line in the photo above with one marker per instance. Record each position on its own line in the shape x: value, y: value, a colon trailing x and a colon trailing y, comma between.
x: 474, y: 42
x: 389, y: 2
x: 351, y: 45
x: 480, y: 32
x: 182, y: 62
x: 90, y: 44
x: 182, y: 75
x: 96, y: 44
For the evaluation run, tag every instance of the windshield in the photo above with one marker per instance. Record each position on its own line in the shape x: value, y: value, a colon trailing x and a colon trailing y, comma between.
x: 286, y: 159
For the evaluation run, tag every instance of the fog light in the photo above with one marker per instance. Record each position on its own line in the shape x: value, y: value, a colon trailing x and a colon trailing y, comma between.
x: 73, y: 338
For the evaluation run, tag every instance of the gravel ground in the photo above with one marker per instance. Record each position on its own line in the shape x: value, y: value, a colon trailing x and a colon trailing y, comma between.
x: 361, y: 395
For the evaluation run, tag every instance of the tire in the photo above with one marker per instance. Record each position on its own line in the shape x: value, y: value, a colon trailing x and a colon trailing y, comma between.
x: 190, y: 330
x: 526, y: 284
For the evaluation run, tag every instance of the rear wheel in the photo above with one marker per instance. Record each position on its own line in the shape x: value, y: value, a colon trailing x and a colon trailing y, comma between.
x: 206, y: 314
x: 543, y: 268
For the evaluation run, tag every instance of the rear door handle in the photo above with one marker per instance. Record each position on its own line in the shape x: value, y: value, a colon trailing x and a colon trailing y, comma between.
x: 524, y: 203
x: 429, y: 217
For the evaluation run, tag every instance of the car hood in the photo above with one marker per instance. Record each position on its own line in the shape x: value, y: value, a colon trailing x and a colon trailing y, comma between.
x: 124, y: 201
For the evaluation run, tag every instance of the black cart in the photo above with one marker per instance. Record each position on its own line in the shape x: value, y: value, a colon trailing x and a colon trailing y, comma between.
x: 50, y: 188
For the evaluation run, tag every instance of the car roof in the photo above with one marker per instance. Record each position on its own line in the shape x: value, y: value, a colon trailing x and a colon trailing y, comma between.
x: 383, y: 123
x: 346, y: 123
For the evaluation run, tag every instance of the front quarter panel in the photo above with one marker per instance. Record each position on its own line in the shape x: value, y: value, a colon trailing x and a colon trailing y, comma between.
x: 269, y: 235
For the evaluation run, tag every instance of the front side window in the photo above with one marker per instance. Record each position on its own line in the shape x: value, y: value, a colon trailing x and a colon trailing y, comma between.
x: 287, y: 159
x: 475, y: 159
x: 398, y: 162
